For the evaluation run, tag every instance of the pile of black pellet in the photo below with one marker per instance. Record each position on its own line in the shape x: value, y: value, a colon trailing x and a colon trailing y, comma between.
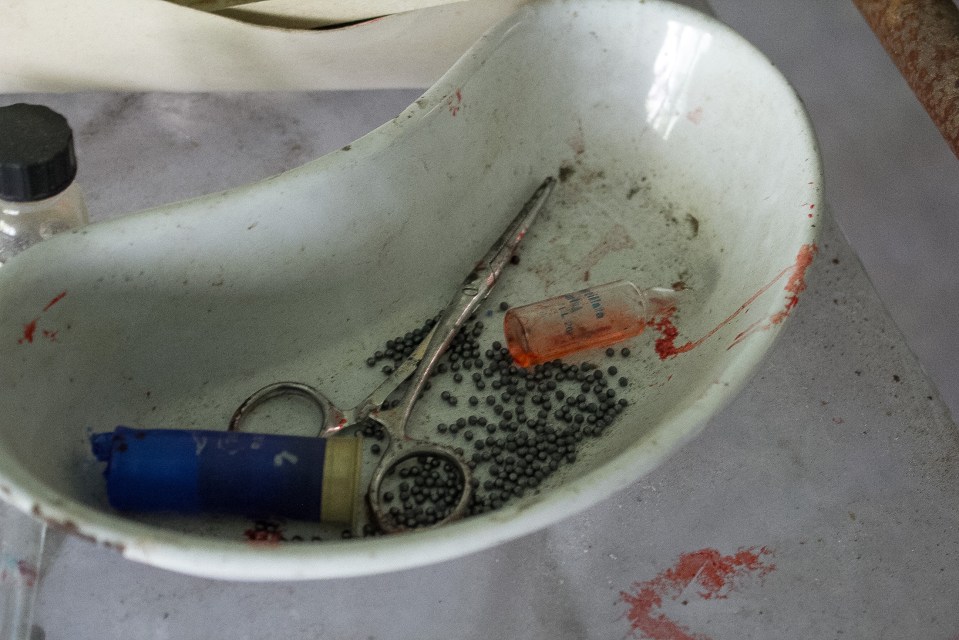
x: 519, y: 425
x: 421, y: 491
x: 400, y: 347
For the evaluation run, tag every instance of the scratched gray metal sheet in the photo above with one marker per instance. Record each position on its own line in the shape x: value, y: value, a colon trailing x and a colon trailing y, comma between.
x: 832, y: 474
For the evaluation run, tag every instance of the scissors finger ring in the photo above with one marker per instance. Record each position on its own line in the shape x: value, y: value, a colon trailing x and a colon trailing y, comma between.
x: 449, y: 481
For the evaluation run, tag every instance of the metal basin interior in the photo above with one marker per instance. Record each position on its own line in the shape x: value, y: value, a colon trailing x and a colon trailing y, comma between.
x: 683, y: 156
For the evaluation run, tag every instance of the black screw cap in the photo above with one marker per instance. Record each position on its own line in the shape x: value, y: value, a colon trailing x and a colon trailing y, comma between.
x: 37, y: 160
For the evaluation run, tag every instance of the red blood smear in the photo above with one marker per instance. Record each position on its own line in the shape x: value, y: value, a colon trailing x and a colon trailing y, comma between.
x: 715, y: 575
x: 666, y: 344
x: 454, y: 108
x: 57, y: 299
x: 795, y: 285
x: 29, y: 330
x: 257, y: 536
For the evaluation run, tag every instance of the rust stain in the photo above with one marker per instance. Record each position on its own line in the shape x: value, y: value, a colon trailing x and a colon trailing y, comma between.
x: 116, y: 546
x: 28, y: 572
x: 922, y: 38
x: 70, y: 527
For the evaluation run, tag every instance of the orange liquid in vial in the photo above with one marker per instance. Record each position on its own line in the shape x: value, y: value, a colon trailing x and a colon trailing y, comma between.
x: 587, y: 319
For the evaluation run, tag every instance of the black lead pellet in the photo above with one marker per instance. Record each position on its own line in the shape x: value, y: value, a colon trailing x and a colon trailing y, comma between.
x: 566, y: 402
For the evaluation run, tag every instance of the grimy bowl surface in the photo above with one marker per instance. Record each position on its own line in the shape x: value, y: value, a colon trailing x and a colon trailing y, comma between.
x: 682, y: 155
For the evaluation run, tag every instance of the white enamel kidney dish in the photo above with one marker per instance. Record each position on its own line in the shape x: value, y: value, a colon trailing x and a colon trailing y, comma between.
x: 683, y: 159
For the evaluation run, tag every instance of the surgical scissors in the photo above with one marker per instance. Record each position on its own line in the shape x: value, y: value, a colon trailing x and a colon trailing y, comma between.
x: 394, y: 418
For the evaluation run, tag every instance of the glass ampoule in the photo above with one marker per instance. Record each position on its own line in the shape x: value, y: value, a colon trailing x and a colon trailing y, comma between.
x: 587, y: 319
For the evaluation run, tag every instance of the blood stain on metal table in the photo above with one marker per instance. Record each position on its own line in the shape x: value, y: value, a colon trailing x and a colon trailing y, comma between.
x: 714, y: 577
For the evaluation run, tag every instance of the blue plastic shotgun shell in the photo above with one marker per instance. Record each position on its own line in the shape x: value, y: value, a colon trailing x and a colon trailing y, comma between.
x: 247, y: 474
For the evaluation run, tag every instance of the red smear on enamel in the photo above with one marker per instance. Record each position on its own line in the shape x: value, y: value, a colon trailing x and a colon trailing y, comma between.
x: 666, y: 344
x: 264, y: 537
x: 57, y: 299
x: 714, y: 575
x: 794, y: 286
x: 29, y: 330
x: 455, y: 105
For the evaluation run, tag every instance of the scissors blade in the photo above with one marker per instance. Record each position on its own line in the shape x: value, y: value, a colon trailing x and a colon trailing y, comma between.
x: 379, y: 395
x: 474, y: 289
x: 491, y: 266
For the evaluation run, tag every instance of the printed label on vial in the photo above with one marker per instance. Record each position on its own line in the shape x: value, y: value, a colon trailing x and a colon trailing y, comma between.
x: 565, y: 311
x: 576, y: 304
x: 596, y: 302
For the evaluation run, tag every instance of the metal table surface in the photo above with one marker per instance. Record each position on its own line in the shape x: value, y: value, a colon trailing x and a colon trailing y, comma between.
x: 820, y: 504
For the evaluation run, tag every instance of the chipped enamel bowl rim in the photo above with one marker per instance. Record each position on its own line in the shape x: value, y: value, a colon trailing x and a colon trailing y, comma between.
x: 654, y: 72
